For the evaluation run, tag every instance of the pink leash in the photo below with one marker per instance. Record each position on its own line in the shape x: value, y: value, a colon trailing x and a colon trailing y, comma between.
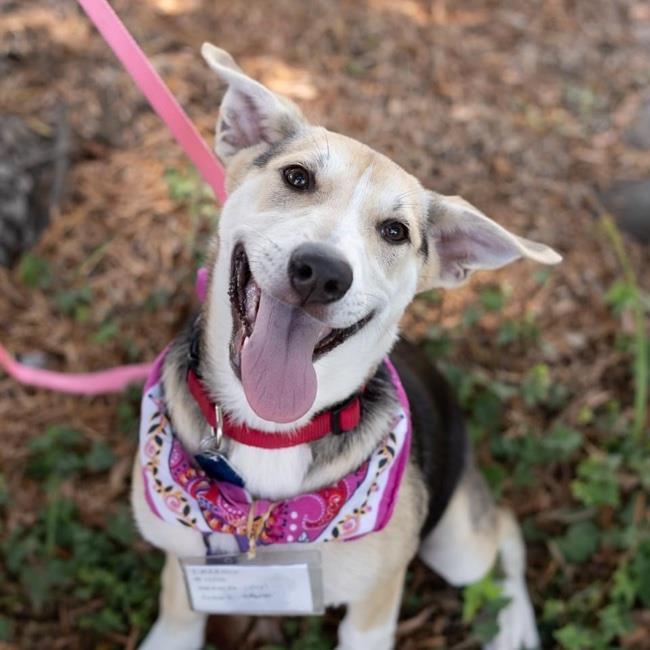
x: 185, y: 133
x: 155, y: 90
x: 84, y: 383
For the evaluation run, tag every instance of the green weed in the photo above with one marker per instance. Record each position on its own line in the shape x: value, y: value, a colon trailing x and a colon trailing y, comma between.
x: 61, y: 560
x: 482, y: 602
x: 34, y: 271
x: 187, y: 188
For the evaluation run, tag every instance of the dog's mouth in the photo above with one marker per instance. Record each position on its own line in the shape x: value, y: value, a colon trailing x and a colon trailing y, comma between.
x: 244, y: 295
x: 274, y: 346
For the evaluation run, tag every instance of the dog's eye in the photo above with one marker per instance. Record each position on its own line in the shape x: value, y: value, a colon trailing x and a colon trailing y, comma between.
x: 297, y: 177
x: 394, y: 232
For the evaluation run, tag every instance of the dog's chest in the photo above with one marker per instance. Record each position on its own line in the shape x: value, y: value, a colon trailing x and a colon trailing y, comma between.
x: 271, y: 473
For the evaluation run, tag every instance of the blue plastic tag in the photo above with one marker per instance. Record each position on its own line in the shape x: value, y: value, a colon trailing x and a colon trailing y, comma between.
x: 217, y: 467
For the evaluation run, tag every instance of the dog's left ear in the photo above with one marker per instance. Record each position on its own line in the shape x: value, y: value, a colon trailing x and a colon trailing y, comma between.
x: 461, y: 240
x: 250, y: 113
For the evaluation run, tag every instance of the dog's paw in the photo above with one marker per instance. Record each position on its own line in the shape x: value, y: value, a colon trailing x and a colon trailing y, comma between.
x: 381, y: 637
x: 517, y: 628
x: 164, y: 637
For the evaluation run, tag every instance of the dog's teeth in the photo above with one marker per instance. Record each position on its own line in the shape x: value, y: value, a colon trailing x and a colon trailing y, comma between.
x: 252, y: 299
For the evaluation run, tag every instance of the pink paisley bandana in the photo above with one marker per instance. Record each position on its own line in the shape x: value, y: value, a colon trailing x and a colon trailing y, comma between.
x: 178, y: 491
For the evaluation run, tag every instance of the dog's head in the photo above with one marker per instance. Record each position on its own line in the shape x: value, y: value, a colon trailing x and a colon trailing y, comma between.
x: 323, y: 242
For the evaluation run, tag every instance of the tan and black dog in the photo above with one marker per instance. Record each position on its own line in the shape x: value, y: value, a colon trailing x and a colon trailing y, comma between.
x: 337, y: 231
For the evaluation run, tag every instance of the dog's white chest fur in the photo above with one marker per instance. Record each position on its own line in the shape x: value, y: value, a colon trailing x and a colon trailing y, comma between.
x: 271, y: 473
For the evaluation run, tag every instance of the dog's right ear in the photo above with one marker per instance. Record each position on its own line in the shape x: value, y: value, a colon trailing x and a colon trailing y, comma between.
x: 250, y: 113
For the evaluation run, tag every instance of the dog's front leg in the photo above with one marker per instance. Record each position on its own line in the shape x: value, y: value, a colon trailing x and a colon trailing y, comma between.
x: 371, y: 622
x: 178, y: 627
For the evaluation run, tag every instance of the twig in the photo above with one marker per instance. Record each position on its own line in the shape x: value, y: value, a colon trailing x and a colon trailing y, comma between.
x: 132, y: 639
x: 565, y: 516
x: 414, y: 623
x: 640, y: 338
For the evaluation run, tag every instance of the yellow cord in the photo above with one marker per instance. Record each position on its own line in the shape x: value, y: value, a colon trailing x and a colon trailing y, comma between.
x: 255, y: 527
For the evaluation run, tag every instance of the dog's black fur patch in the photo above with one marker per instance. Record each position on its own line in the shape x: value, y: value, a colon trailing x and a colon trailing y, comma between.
x: 424, y: 246
x: 378, y: 402
x: 440, y: 446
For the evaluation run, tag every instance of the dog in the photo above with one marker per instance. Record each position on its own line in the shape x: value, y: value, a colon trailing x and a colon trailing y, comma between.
x: 321, y: 245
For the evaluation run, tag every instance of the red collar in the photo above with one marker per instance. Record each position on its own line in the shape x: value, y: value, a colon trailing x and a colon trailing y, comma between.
x: 340, y: 419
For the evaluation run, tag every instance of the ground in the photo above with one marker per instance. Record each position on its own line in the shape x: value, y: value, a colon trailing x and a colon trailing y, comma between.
x: 528, y: 110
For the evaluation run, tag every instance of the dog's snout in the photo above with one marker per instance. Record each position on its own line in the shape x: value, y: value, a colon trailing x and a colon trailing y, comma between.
x: 319, y: 274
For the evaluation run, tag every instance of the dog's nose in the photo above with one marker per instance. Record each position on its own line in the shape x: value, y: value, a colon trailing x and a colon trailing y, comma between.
x: 319, y: 274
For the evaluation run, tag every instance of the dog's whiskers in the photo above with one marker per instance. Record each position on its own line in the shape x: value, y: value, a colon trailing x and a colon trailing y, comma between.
x: 257, y: 232
x: 327, y: 142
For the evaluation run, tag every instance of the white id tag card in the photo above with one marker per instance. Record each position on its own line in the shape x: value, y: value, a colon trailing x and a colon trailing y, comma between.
x: 273, y: 583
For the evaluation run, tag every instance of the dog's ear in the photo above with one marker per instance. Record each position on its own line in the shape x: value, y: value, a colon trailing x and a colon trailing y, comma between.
x: 461, y: 240
x: 250, y: 114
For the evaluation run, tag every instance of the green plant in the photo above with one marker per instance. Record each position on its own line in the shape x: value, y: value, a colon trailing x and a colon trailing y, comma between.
x: 536, y: 386
x: 61, y: 452
x: 536, y: 449
x: 34, y: 271
x: 492, y: 298
x: 187, y: 188
x: 579, y: 542
x: 481, y: 398
x: 523, y: 331
x: 75, y: 302
x: 59, y: 558
x: 108, y: 331
x: 597, y: 483
x: 6, y: 628
x: 4, y: 492
x: 482, y: 602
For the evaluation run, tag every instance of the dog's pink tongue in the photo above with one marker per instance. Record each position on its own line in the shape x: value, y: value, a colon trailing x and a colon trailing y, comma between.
x: 277, y: 373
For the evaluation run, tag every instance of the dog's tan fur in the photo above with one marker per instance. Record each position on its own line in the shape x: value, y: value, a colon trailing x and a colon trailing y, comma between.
x: 259, y: 134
